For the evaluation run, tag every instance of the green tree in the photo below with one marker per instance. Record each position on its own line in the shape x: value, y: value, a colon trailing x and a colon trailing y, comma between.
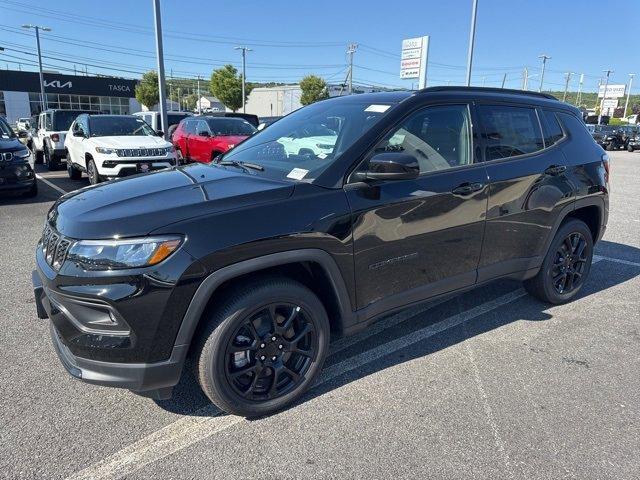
x: 313, y: 89
x: 226, y: 86
x: 147, y: 90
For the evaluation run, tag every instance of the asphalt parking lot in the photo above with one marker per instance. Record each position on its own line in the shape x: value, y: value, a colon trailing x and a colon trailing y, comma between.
x: 490, y: 384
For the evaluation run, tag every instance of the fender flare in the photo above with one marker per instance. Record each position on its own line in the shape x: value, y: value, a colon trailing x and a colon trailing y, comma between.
x: 567, y: 210
x: 213, y: 281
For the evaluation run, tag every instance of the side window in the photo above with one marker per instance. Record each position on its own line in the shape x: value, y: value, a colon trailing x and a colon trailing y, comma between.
x: 47, y: 122
x: 41, y: 121
x: 188, y: 126
x: 551, y: 127
x: 201, y: 127
x: 509, y: 131
x: 438, y: 137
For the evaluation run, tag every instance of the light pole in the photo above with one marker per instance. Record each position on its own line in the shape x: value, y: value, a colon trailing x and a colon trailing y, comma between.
x: 244, y: 74
x: 37, y: 28
x: 351, y: 50
x: 626, y: 104
x: 544, y: 64
x: 472, y: 39
x: 161, y: 90
x: 199, y: 112
x: 579, y: 96
x: 604, y: 94
x: 566, y: 85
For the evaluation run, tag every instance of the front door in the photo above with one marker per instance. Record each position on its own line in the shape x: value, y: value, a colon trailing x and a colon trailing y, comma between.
x: 422, y: 237
x: 200, y: 142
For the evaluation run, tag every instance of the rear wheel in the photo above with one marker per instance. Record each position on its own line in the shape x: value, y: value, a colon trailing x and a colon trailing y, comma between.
x: 74, y: 172
x: 33, y: 191
x: 92, y: 172
x: 263, y: 347
x: 629, y: 148
x: 39, y: 156
x: 50, y: 159
x: 566, y: 266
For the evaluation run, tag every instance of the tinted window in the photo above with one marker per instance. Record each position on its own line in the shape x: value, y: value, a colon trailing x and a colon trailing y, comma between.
x: 509, y: 131
x: 574, y: 126
x: 552, y: 129
x: 5, y: 130
x: 201, y: 127
x: 230, y: 126
x: 174, y: 118
x: 188, y: 126
x: 107, y: 126
x: 62, y: 119
x: 438, y: 137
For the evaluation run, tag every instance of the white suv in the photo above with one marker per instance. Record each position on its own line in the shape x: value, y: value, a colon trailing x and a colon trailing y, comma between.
x: 113, y: 146
x: 48, y: 141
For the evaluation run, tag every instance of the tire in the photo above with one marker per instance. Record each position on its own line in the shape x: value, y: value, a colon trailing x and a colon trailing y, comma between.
x: 39, y: 157
x: 217, y: 370
x: 32, y: 192
x: 180, y: 160
x: 171, y: 130
x: 52, y: 162
x: 543, y: 286
x: 92, y: 172
x: 73, y: 171
x: 630, y: 148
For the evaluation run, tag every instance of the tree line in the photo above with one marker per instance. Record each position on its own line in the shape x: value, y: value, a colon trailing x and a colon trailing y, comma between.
x: 226, y: 85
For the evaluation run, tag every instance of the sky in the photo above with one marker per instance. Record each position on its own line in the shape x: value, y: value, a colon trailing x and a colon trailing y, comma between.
x: 292, y: 39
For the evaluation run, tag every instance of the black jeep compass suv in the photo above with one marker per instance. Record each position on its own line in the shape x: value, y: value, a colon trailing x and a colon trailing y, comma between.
x: 334, y: 216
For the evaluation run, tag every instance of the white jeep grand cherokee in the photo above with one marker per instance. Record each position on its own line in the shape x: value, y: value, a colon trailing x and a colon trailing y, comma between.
x: 113, y: 146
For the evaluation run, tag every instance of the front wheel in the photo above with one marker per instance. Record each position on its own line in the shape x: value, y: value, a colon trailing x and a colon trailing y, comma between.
x: 566, y: 266
x: 630, y: 148
x: 92, y: 172
x: 263, y: 347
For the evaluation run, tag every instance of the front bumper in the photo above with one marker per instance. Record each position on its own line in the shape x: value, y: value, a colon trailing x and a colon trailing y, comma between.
x: 117, y: 168
x: 18, y: 176
x: 155, y: 379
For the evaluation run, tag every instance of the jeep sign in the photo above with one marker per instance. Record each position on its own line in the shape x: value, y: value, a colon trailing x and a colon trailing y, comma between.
x: 413, y: 60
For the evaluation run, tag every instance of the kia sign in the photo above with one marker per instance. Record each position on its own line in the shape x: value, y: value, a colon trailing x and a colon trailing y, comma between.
x: 413, y: 60
x: 613, y: 91
x: 16, y: 81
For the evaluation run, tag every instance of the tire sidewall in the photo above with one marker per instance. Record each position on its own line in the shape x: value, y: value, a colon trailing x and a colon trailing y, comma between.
x: 94, y: 178
x: 573, y: 226
x: 234, y: 315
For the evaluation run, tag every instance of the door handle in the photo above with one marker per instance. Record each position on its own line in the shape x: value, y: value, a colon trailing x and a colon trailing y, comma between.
x: 555, y: 169
x: 467, y: 188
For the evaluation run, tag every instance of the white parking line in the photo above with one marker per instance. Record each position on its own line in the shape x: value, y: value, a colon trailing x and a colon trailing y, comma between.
x: 597, y: 258
x: 55, y: 187
x: 208, y: 420
x: 192, y: 429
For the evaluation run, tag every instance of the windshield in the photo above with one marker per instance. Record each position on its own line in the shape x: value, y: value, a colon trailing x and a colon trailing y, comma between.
x: 230, y: 126
x: 62, y: 119
x: 5, y: 130
x: 303, y: 144
x: 116, y: 126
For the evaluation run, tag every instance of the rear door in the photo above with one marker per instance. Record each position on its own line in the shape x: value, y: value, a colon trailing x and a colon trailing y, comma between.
x: 418, y: 238
x: 528, y: 185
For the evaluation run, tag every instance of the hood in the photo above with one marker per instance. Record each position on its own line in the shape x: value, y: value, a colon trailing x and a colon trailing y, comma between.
x: 131, y: 141
x: 10, y: 144
x: 138, y: 205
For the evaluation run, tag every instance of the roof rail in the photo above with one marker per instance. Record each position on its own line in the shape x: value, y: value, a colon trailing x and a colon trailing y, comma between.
x: 510, y: 91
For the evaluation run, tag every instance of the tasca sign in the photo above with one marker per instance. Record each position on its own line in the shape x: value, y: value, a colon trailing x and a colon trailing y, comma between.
x: 413, y: 60
x: 613, y: 91
x: 16, y: 81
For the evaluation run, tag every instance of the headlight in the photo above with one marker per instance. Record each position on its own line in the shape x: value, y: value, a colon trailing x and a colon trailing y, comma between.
x: 170, y: 149
x: 22, y: 153
x: 106, y: 151
x: 119, y: 254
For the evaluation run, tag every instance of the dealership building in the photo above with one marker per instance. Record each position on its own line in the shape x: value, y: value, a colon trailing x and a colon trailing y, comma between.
x: 20, y: 93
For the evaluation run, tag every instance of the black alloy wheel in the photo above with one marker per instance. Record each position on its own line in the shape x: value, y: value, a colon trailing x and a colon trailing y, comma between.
x: 270, y: 353
x: 92, y: 172
x: 262, y: 346
x: 569, y: 264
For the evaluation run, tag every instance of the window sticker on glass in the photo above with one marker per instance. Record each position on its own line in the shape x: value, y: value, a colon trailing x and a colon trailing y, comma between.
x: 377, y: 108
x: 297, y: 173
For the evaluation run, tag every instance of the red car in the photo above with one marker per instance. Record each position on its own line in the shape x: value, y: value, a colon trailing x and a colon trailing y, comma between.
x: 203, y: 138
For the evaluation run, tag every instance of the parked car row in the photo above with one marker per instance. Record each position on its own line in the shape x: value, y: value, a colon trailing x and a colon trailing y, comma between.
x: 16, y: 174
x: 612, y: 137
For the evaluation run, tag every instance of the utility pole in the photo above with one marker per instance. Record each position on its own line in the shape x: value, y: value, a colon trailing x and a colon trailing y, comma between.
x: 199, y: 112
x: 544, y: 64
x: 525, y: 78
x: 161, y: 85
x: 244, y: 74
x: 504, y: 79
x: 626, y: 104
x: 472, y: 39
x: 566, y: 85
x: 37, y: 28
x: 579, y: 97
x: 604, y: 94
x: 179, y: 101
x: 351, y: 49
x: 483, y: 80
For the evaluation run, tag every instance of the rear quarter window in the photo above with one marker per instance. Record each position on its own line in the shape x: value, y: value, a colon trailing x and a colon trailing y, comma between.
x: 576, y: 127
x: 551, y: 128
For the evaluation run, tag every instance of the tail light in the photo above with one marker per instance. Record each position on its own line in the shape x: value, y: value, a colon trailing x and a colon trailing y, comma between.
x: 55, y: 137
x: 605, y: 164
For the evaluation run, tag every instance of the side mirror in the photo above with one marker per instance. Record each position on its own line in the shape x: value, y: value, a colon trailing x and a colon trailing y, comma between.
x: 204, y: 133
x: 159, y: 133
x: 78, y: 133
x: 390, y: 166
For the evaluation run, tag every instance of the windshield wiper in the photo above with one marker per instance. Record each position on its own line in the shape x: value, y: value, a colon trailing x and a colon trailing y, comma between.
x: 243, y: 165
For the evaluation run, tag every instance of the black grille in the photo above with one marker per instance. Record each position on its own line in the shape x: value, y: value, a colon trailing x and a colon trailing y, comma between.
x: 140, y: 152
x: 54, y: 247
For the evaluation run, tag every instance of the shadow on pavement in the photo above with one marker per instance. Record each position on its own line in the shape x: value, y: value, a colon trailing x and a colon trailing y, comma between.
x: 188, y: 399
